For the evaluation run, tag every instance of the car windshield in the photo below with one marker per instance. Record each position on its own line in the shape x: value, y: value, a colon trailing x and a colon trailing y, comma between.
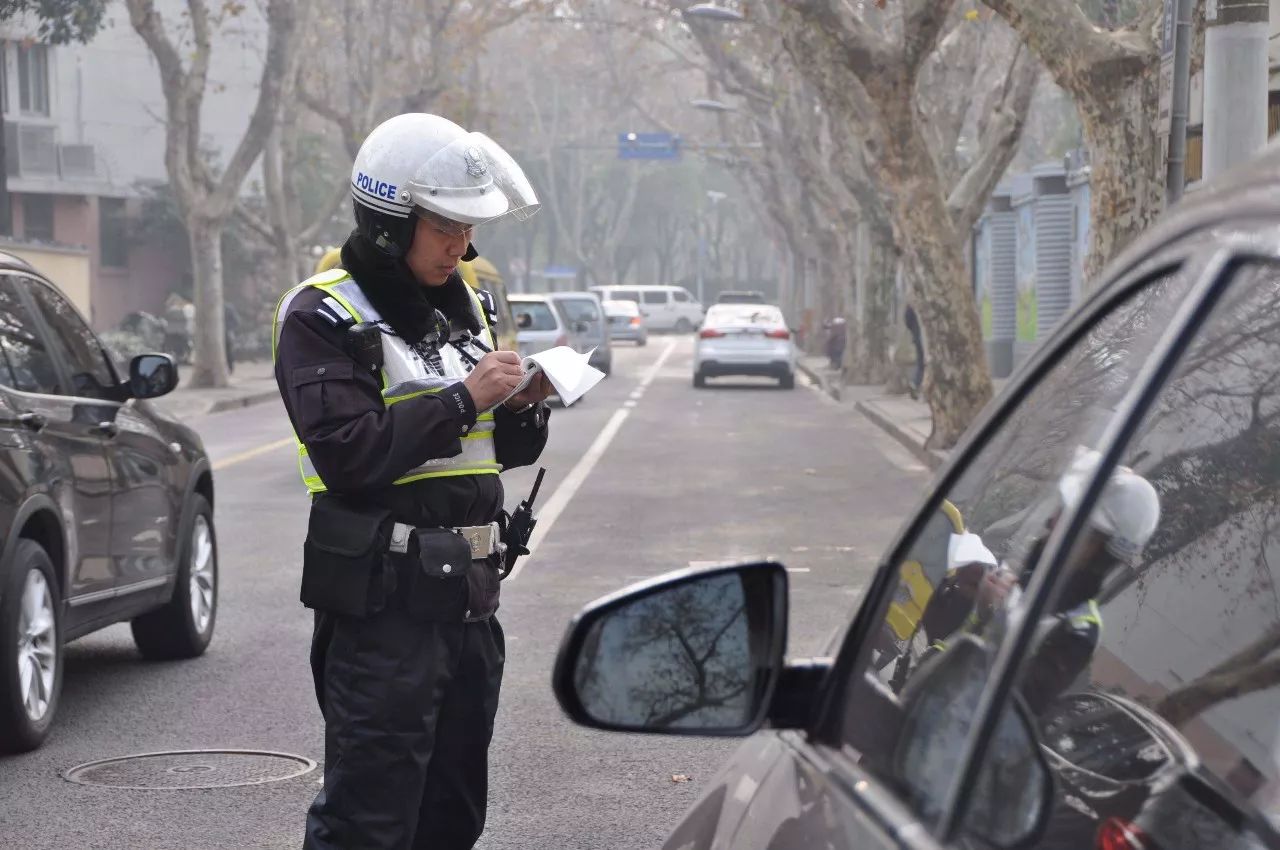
x: 579, y: 309
x: 534, y: 316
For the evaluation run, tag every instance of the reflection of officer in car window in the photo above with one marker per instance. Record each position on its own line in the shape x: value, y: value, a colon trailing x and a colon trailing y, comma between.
x: 1123, y: 519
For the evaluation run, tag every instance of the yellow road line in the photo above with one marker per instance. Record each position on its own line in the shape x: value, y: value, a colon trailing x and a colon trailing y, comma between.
x: 252, y: 453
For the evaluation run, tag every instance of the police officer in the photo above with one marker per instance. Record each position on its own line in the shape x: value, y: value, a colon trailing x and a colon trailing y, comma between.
x: 403, y: 421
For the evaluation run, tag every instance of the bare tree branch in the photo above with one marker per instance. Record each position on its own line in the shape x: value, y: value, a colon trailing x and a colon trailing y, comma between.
x: 998, y: 144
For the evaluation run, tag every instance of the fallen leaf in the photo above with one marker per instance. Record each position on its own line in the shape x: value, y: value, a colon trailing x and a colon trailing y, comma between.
x: 679, y: 777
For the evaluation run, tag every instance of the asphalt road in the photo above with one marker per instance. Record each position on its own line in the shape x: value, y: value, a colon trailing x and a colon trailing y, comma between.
x: 645, y: 475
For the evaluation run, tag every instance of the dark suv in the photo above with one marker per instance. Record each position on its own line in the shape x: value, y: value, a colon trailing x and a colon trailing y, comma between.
x: 106, y: 505
x: 1053, y: 664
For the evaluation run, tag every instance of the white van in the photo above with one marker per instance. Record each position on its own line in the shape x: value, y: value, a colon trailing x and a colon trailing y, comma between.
x: 665, y: 308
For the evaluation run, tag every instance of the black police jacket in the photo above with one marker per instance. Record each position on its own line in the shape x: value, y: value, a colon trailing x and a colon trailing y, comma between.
x: 359, y: 445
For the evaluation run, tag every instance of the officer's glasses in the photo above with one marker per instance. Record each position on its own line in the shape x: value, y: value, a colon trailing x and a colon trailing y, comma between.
x: 445, y: 225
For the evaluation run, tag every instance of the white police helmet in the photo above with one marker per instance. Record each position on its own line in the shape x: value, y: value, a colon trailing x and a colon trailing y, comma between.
x: 428, y: 166
x: 1127, y: 511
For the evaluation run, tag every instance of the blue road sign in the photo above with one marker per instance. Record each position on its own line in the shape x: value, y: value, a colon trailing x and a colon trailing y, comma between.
x: 648, y: 146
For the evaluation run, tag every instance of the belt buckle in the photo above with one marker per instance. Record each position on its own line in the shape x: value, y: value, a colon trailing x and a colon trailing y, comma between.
x: 481, y: 538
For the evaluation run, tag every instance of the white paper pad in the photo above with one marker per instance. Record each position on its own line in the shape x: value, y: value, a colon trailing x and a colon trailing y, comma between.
x: 570, y: 373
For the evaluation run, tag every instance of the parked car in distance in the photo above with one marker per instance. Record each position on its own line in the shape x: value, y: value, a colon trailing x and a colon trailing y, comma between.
x: 1143, y: 718
x: 625, y: 321
x: 740, y: 296
x: 106, y: 504
x: 744, y: 339
x: 664, y: 308
x: 588, y: 329
x: 539, y: 323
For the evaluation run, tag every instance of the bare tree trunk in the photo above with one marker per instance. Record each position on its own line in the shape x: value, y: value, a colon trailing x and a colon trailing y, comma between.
x: 209, y: 360
x: 867, y: 352
x: 1112, y: 77
x: 1127, y: 180
x: 957, y: 383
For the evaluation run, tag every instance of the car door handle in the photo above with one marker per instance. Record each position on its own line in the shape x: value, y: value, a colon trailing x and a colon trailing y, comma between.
x: 33, y: 421
x: 107, y: 429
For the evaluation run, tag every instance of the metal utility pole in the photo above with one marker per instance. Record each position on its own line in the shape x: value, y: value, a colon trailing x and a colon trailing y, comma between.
x: 1180, y: 97
x: 1235, y: 82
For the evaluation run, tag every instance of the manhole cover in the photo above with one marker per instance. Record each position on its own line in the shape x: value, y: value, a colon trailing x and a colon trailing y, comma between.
x: 191, y: 769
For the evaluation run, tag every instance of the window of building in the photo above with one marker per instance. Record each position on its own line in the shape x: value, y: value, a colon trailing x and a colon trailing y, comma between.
x: 37, y: 217
x: 33, y: 79
x: 113, y: 233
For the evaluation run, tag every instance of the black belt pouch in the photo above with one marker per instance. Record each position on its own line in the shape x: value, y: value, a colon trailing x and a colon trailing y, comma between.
x: 438, y: 587
x: 345, y: 551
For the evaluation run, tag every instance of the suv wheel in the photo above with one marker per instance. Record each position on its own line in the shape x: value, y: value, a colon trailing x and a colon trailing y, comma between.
x: 30, y: 649
x: 184, y: 626
x: 699, y: 380
x: 683, y: 326
x: 787, y: 381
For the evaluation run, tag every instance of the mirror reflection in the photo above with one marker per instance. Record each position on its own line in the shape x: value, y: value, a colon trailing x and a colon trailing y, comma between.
x: 152, y: 375
x: 679, y: 658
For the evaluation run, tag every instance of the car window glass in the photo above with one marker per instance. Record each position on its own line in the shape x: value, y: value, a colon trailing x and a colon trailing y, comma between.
x: 949, y: 585
x: 682, y: 297
x: 579, y: 309
x: 79, y: 349
x: 659, y: 297
x: 626, y: 295
x: 539, y: 313
x: 28, y: 365
x: 1175, y: 668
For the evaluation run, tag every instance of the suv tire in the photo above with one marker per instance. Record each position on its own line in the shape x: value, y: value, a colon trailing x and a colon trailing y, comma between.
x: 788, y: 381
x: 30, y: 648
x: 683, y: 326
x: 183, y: 626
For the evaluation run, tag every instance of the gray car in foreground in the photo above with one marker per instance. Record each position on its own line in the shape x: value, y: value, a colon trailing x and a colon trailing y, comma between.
x: 902, y: 738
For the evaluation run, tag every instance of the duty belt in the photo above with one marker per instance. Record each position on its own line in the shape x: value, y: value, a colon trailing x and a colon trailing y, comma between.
x: 484, y: 539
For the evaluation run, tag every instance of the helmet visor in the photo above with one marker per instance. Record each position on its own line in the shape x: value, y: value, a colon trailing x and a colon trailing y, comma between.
x: 473, y: 181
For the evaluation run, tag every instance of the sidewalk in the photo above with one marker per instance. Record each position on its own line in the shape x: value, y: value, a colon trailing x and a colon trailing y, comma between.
x: 904, y: 419
x: 252, y: 382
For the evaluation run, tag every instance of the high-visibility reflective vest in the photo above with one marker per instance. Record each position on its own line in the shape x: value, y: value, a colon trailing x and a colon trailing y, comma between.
x: 405, y: 375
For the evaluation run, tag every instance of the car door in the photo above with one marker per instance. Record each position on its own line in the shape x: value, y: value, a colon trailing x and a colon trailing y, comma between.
x: 1180, y: 747
x: 655, y: 306
x: 687, y: 307
x: 585, y: 320
x: 881, y: 760
x: 146, y: 506
x: 66, y: 448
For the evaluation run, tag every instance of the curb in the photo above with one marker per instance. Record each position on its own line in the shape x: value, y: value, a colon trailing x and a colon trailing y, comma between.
x: 928, y: 457
x: 247, y: 400
x: 821, y: 380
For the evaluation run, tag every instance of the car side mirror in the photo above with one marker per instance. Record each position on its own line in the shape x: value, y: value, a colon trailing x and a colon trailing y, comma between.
x: 524, y: 321
x: 152, y: 375
x: 694, y: 652
x: 1009, y: 804
x: 581, y: 326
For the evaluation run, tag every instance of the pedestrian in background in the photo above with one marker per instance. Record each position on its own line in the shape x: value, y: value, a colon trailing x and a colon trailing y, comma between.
x: 912, y: 321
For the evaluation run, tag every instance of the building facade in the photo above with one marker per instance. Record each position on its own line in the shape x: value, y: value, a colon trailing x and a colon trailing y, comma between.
x: 84, y: 140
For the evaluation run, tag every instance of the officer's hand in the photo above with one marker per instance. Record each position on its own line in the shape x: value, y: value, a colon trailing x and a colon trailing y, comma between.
x: 497, y: 374
x: 535, y: 392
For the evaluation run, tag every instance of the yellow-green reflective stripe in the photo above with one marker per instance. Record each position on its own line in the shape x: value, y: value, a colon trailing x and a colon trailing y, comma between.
x: 449, y: 473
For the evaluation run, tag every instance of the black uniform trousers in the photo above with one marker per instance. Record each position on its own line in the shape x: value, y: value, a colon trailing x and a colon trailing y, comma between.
x: 409, y: 708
